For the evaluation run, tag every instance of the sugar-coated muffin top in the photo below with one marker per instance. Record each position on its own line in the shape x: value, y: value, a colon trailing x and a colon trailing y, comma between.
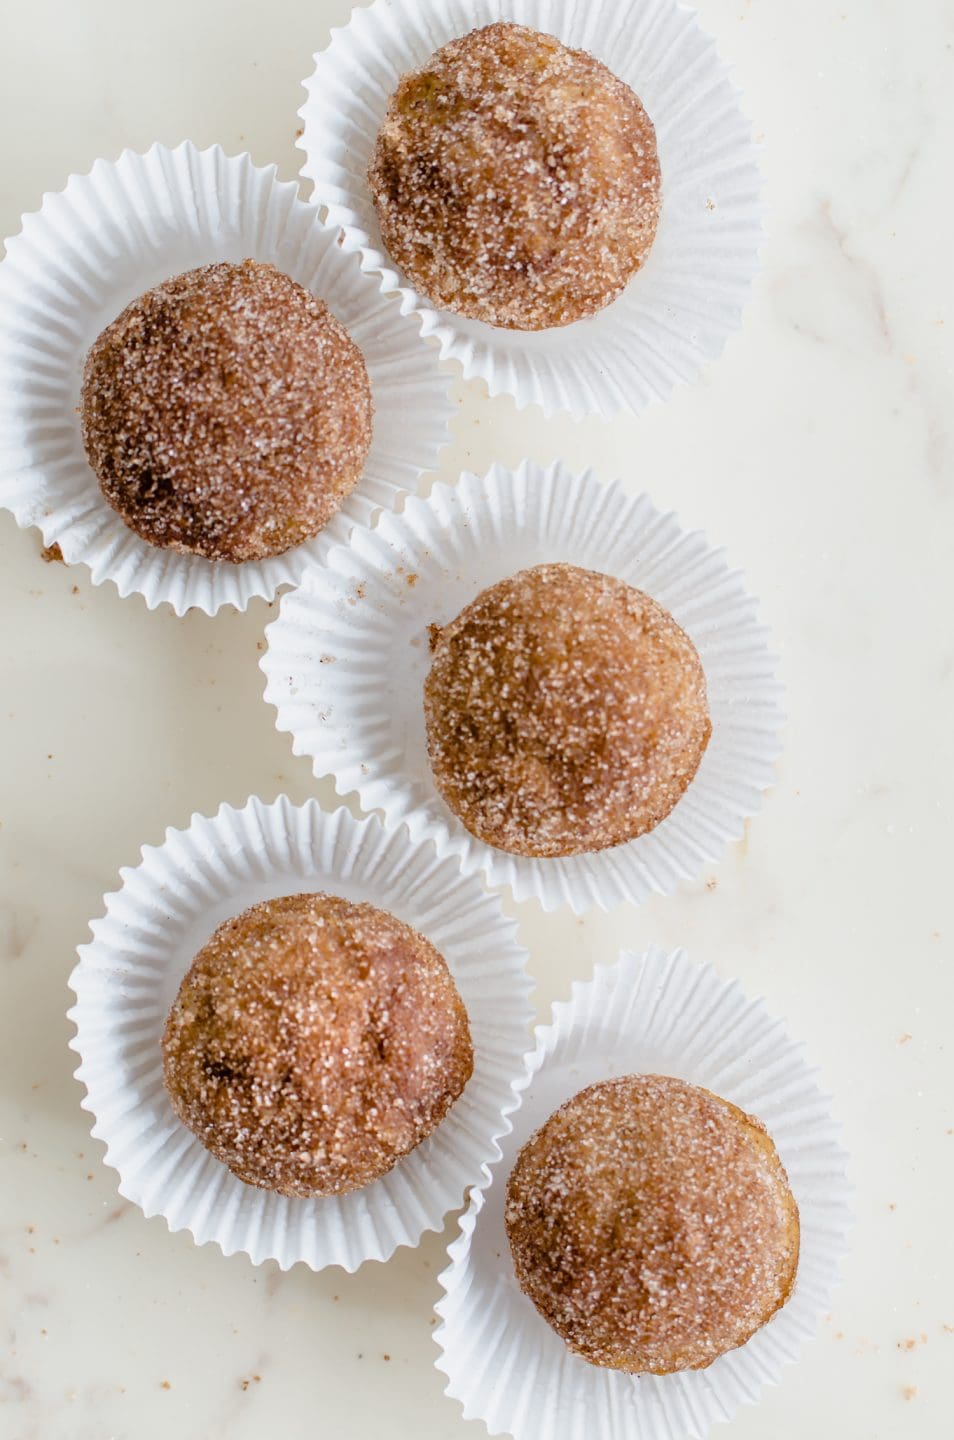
x: 226, y: 413
x: 313, y: 1042
x: 516, y: 181
x: 566, y: 712
x: 652, y: 1225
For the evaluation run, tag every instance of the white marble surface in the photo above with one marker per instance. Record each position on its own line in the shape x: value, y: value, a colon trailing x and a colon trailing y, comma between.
x: 819, y: 451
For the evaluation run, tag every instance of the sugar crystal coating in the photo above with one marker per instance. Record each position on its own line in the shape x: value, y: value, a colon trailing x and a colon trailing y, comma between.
x: 313, y: 1042
x: 652, y: 1225
x: 516, y: 181
x: 566, y: 712
x: 226, y: 413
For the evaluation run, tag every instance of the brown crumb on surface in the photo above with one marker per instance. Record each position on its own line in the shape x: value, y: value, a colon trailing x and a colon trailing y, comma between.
x: 412, y: 579
x: 327, y: 659
x: 908, y: 1344
x: 165, y: 1385
x: 711, y: 883
x: 903, y: 1039
x: 948, y: 1329
x: 51, y: 553
x: 909, y: 1392
x: 892, y: 1205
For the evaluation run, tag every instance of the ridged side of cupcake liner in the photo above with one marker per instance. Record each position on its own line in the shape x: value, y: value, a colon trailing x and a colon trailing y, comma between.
x: 348, y: 655
x: 678, y: 311
x: 651, y: 1013
x: 128, y: 976
x: 106, y: 238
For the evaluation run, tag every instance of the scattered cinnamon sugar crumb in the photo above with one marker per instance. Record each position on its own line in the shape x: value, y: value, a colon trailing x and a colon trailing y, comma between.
x: 948, y: 1329
x: 412, y: 579
x: 892, y: 1205
x: 327, y: 659
x: 903, y: 1039
x: 711, y: 883
x: 908, y: 1344
x: 164, y: 1385
x: 75, y: 589
x: 387, y: 1357
x: 909, y: 1392
x: 360, y: 589
x: 49, y: 553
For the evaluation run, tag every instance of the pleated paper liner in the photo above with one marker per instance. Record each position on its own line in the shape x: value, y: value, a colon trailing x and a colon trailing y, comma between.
x: 347, y: 659
x: 679, y: 309
x: 105, y: 239
x: 128, y: 976
x: 653, y: 1013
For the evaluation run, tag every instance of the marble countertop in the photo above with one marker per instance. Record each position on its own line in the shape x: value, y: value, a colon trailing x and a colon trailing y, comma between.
x: 819, y: 452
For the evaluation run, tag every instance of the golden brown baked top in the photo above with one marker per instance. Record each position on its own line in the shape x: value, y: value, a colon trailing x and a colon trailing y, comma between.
x: 565, y: 712
x: 652, y: 1225
x: 516, y: 181
x: 313, y: 1042
x: 226, y: 413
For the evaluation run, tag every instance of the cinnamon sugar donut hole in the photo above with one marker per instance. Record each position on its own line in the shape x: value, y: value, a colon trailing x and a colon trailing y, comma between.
x: 566, y: 712
x: 226, y: 413
x: 516, y: 181
x: 313, y: 1042
x: 652, y: 1225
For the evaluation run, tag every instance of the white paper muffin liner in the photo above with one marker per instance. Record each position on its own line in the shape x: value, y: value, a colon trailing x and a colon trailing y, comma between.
x: 128, y: 976
x: 105, y: 239
x: 679, y: 309
x: 348, y: 655
x: 653, y: 1013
